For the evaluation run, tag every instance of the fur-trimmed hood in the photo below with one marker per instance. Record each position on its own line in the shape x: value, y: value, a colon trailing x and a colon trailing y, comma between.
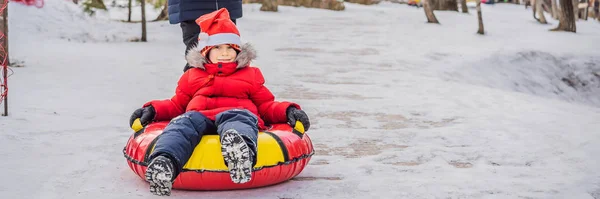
x: 244, y: 57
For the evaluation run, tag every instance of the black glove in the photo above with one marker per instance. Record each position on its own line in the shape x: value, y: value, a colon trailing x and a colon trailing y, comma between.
x: 145, y: 114
x: 294, y: 114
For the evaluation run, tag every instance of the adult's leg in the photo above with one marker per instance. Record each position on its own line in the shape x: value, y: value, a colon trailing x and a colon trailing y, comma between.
x: 190, y: 31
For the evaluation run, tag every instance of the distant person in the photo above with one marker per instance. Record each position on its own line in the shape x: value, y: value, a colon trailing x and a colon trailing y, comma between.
x: 185, y: 12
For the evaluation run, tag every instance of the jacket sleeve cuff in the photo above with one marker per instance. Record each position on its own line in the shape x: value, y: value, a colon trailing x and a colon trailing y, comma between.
x: 161, y: 108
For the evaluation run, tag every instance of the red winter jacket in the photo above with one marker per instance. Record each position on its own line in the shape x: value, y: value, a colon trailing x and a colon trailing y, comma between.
x: 214, y: 88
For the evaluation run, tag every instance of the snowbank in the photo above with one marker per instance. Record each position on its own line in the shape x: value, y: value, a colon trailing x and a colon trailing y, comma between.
x: 60, y: 19
x: 574, y: 78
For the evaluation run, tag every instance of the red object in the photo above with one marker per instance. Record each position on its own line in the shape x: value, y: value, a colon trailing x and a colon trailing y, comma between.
x: 4, y: 64
x: 222, y: 87
x: 298, y: 151
x: 36, y: 3
x: 212, y: 88
x: 217, y: 28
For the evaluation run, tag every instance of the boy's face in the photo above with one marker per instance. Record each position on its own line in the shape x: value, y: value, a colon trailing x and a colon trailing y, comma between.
x: 222, y: 53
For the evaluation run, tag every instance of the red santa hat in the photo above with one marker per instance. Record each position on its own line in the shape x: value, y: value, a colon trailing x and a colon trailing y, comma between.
x: 216, y: 29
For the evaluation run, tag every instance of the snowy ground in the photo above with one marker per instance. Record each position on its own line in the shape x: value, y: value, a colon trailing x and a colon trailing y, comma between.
x: 400, y: 108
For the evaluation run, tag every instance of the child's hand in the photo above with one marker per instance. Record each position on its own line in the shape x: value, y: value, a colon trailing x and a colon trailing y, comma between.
x: 294, y: 114
x: 145, y: 114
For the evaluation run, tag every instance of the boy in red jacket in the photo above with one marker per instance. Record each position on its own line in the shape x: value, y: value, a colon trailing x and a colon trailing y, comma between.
x: 222, y: 94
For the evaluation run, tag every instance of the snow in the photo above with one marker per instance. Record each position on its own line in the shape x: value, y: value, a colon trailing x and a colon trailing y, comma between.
x: 399, y: 108
x: 568, y: 77
x: 119, y: 11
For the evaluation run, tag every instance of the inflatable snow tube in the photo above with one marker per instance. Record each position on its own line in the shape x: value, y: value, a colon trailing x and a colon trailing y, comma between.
x: 283, y: 153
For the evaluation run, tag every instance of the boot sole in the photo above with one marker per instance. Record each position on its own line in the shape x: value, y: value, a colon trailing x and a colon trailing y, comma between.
x: 237, y: 157
x: 159, y: 175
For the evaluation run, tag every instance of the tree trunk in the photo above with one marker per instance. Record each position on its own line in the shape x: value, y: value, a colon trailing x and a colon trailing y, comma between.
x: 76, y: 1
x: 517, y: 2
x: 129, y: 8
x: 576, y: 9
x: 144, y: 21
x: 444, y: 5
x: 479, y: 18
x: 452, y: 5
x: 98, y: 4
x: 164, y: 13
x: 554, y: 9
x: 567, y: 18
x: 586, y: 12
x: 463, y: 6
x: 269, y: 5
x: 537, y: 9
x: 429, y: 12
x: 596, y: 11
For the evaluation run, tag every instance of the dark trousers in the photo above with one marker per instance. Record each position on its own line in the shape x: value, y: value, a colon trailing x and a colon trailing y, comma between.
x: 190, y: 31
x: 183, y: 133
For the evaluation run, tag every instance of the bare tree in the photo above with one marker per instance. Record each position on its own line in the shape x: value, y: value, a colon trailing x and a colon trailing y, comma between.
x: 586, y: 11
x: 444, y: 5
x: 97, y: 4
x: 463, y: 6
x: 429, y: 12
x: 597, y: 9
x: 164, y: 13
x: 144, y: 21
x: 537, y: 9
x: 129, y: 14
x: 576, y: 9
x: 90, y: 6
x: 479, y: 18
x: 554, y: 9
x: 269, y: 5
x: 567, y: 18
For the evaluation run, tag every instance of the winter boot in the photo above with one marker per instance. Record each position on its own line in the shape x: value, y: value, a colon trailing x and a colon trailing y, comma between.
x: 160, y: 174
x: 237, y: 155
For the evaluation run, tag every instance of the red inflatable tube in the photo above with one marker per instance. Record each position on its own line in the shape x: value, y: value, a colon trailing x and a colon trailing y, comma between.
x: 282, y: 154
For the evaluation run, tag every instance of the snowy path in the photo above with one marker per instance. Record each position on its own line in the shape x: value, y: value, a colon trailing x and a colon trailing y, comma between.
x: 390, y: 119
